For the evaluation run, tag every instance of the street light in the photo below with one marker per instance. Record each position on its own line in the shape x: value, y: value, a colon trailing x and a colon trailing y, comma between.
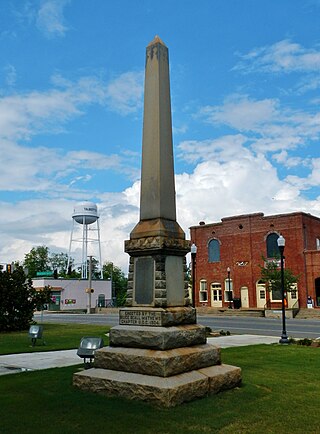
x: 284, y: 338
x: 229, y: 287
x: 193, y: 259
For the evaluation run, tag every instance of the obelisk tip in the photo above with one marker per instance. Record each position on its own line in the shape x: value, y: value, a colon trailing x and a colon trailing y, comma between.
x: 156, y: 40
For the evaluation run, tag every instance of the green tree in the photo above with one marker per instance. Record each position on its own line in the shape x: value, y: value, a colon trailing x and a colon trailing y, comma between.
x: 119, y: 281
x: 41, y: 259
x: 271, y: 276
x: 19, y: 300
x: 59, y: 262
x: 37, y: 260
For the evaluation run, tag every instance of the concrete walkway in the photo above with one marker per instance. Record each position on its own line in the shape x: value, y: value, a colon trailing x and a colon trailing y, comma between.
x: 13, y: 363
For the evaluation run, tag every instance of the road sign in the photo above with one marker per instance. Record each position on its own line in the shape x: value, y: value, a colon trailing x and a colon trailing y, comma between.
x: 44, y: 273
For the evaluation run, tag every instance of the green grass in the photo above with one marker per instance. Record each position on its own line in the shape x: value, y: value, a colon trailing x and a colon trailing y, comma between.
x: 279, y: 394
x: 55, y: 337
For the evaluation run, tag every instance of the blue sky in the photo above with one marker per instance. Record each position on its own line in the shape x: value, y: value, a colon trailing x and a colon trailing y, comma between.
x: 245, y: 80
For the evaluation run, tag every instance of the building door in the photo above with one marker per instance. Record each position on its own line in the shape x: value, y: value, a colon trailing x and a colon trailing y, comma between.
x: 292, y: 297
x: 216, y: 295
x: 261, y: 295
x: 244, y: 294
x: 317, y: 288
x: 55, y: 302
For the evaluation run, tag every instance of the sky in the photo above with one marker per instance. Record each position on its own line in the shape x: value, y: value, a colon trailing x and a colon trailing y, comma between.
x: 245, y: 81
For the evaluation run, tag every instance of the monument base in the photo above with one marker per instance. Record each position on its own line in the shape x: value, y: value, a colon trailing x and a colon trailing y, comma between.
x: 161, y: 391
x: 162, y: 365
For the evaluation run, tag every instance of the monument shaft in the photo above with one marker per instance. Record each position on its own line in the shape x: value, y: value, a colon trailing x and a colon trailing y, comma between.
x: 157, y: 176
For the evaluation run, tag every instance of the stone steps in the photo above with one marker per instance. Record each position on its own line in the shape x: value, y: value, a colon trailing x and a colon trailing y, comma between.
x: 308, y: 314
x: 161, y: 391
x: 230, y: 312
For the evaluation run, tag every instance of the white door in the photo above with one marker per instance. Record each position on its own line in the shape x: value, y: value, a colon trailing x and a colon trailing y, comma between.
x: 292, y: 296
x: 244, y: 293
x: 216, y: 295
x: 261, y: 295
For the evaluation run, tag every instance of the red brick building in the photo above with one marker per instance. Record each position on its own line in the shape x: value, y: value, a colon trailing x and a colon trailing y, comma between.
x: 229, y: 254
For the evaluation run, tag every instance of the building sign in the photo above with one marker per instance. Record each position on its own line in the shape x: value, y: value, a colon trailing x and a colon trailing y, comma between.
x: 70, y: 301
x: 242, y: 263
x: 140, y: 317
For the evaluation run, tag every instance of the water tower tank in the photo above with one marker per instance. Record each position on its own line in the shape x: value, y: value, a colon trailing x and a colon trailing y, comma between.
x: 85, y: 213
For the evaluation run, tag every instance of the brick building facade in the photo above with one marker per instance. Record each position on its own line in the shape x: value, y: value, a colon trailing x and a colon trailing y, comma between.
x: 229, y: 253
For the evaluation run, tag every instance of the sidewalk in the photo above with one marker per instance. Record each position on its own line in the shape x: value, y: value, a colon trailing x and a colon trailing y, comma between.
x: 14, y: 363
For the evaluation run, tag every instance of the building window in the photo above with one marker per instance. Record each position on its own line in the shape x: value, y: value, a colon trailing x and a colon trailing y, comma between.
x: 214, y: 251
x: 262, y: 294
x: 203, y: 293
x: 272, y: 245
x: 276, y: 295
x: 318, y: 243
x: 228, y: 293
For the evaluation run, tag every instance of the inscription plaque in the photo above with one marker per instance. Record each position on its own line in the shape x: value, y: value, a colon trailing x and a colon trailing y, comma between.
x: 144, y: 280
x: 140, y: 317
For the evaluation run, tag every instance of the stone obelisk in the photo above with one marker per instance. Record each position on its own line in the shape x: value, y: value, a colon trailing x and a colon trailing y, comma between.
x: 157, y: 244
x: 158, y: 353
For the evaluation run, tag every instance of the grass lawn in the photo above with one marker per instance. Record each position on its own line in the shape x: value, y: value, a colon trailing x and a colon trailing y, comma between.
x: 279, y: 394
x: 55, y: 336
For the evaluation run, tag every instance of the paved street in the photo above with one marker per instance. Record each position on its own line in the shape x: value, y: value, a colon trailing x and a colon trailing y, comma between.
x: 296, y: 328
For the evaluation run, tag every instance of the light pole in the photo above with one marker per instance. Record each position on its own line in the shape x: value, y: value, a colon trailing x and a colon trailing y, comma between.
x: 90, y: 283
x: 229, y: 287
x: 284, y: 338
x: 193, y: 259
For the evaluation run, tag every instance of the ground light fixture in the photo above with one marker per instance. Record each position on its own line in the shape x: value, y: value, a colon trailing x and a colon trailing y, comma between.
x: 35, y: 332
x: 88, y: 346
x: 193, y: 260
x: 281, y: 244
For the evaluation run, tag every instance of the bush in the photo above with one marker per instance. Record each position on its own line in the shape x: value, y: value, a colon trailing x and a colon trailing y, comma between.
x: 18, y: 300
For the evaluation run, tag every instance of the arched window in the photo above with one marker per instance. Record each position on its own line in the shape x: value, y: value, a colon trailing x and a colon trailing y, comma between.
x: 272, y: 245
x: 214, y: 251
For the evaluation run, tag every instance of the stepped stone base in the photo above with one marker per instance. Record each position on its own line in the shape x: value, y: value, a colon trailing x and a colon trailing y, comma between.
x: 158, y: 338
x: 162, y: 391
x: 162, y: 365
x: 157, y: 363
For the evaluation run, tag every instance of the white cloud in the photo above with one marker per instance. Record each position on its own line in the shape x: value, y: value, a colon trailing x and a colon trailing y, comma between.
x: 222, y: 149
x: 283, y: 56
x: 125, y: 93
x: 50, y: 18
x: 270, y: 127
x: 23, y: 115
x: 10, y: 75
x: 242, y: 113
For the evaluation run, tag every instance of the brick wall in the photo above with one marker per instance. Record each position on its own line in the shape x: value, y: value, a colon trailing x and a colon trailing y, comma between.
x: 243, y: 243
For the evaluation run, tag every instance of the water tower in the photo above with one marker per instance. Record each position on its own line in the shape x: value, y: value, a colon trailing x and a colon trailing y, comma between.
x: 86, y: 215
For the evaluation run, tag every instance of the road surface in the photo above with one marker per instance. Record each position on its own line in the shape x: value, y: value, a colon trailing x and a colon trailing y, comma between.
x: 296, y: 328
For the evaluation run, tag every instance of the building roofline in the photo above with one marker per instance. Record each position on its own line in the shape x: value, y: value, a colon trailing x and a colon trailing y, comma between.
x: 258, y: 214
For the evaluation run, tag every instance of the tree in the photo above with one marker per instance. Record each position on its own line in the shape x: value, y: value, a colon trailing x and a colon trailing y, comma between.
x: 59, y: 262
x: 119, y: 281
x: 271, y: 276
x: 37, y: 260
x: 41, y: 259
x: 19, y: 300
